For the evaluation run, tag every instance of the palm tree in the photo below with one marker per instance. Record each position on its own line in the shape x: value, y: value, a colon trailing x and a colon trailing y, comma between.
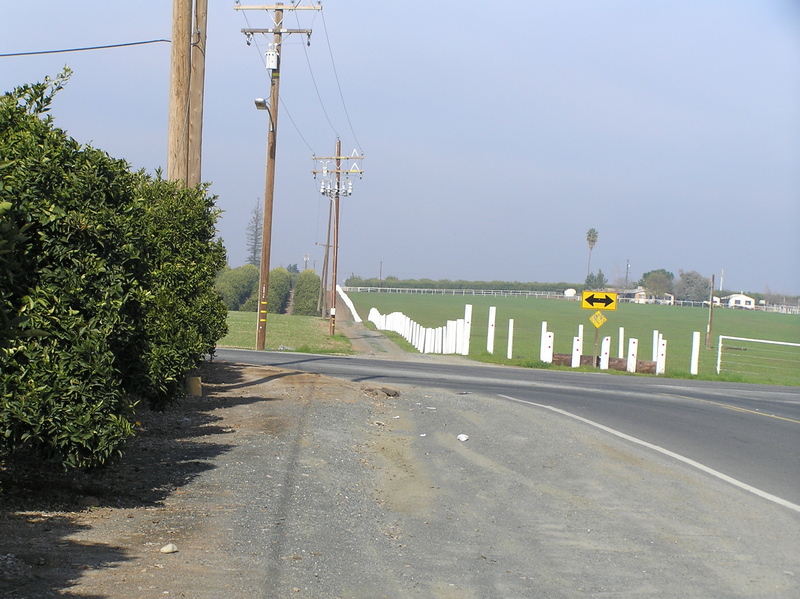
x: 591, y: 239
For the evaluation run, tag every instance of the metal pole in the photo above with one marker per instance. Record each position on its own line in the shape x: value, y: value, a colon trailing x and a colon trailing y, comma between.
x: 269, y: 188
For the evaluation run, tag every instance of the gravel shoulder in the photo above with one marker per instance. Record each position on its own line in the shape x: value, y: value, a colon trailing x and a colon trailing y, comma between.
x: 283, y: 484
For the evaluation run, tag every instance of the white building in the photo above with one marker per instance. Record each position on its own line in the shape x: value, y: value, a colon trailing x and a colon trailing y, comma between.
x: 739, y: 300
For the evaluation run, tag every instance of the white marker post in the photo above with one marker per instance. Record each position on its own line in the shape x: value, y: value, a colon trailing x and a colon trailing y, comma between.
x: 543, y: 342
x: 655, y: 345
x: 490, y: 334
x: 547, y: 348
x: 661, y: 361
x: 633, y: 354
x: 510, y: 351
x: 695, y: 367
x: 621, y: 351
x: 577, y: 350
x: 467, y: 329
x: 605, y: 353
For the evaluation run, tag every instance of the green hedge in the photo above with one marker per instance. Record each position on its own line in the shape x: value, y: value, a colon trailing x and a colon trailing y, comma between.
x: 106, y: 280
x: 237, y: 285
x: 280, y: 286
x: 306, y: 294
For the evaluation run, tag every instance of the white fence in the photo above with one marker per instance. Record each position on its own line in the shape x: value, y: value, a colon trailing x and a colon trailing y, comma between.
x: 452, y: 338
x: 778, y: 360
x: 464, y: 292
x: 776, y: 308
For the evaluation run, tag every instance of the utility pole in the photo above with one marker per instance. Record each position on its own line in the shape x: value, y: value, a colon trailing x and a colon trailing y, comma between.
x: 187, y: 82
x: 197, y: 80
x: 710, y: 315
x: 333, y: 187
x: 180, y: 73
x: 274, y: 65
x: 322, y: 300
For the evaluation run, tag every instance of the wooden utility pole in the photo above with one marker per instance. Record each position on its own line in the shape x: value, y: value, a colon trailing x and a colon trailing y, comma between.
x: 274, y: 64
x: 335, y: 256
x: 269, y: 188
x: 710, y: 315
x: 180, y: 73
x: 335, y: 189
x: 196, y: 88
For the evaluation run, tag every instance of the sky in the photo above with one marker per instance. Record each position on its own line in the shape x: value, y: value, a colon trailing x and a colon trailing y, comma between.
x: 495, y: 135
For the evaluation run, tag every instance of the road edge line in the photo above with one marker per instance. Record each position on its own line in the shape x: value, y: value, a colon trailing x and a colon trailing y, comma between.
x: 667, y: 452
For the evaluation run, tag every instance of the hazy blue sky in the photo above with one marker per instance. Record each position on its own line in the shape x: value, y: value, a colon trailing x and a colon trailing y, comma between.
x: 495, y: 134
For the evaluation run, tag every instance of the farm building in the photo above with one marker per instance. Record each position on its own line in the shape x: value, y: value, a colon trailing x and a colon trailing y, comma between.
x: 640, y: 296
x: 739, y: 300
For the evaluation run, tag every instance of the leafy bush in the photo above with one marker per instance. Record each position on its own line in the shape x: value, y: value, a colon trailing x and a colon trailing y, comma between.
x: 306, y: 294
x: 183, y: 314
x: 106, y: 280
x: 61, y: 392
x: 237, y: 285
x: 280, y: 286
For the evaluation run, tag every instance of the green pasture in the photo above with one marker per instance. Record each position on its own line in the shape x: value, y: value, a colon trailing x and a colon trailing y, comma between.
x: 563, y: 317
x: 306, y: 334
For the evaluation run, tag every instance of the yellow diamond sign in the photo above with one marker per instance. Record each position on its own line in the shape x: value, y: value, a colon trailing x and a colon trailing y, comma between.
x: 598, y: 319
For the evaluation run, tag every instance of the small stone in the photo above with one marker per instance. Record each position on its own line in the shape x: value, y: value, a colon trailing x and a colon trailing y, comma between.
x: 462, y: 437
x: 169, y: 548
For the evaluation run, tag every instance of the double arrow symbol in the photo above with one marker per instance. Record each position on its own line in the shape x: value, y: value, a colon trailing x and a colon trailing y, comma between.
x: 594, y: 300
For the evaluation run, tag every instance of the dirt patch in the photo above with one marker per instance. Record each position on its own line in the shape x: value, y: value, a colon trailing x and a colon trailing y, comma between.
x: 59, y: 532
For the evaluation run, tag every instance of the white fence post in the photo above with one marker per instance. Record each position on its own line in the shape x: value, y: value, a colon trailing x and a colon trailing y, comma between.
x: 490, y: 333
x: 467, y: 329
x: 695, y: 366
x: 655, y: 345
x: 661, y: 362
x: 510, y: 351
x: 580, y: 336
x: 621, y: 351
x: 543, y: 342
x: 633, y: 354
x: 450, y: 338
x: 605, y: 353
x: 546, y: 355
x: 577, y: 350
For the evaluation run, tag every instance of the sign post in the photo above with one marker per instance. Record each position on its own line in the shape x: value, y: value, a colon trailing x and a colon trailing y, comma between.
x: 599, y: 301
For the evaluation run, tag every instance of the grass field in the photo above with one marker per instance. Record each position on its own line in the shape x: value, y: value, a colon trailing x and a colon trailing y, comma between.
x: 563, y: 317
x: 296, y: 333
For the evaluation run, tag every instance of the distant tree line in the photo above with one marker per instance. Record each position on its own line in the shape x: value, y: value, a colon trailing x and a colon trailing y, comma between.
x: 390, y: 281
x: 238, y: 288
x: 106, y: 288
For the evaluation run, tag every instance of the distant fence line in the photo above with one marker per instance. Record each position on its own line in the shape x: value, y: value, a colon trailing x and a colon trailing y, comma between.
x: 776, y: 308
x: 465, y: 292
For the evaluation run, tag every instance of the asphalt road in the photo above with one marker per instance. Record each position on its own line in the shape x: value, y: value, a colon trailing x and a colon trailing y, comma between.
x: 746, y: 435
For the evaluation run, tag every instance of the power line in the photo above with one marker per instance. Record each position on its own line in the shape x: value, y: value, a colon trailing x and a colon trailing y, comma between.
x: 83, y: 49
x: 264, y: 62
x: 314, y: 81
x: 336, y: 75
